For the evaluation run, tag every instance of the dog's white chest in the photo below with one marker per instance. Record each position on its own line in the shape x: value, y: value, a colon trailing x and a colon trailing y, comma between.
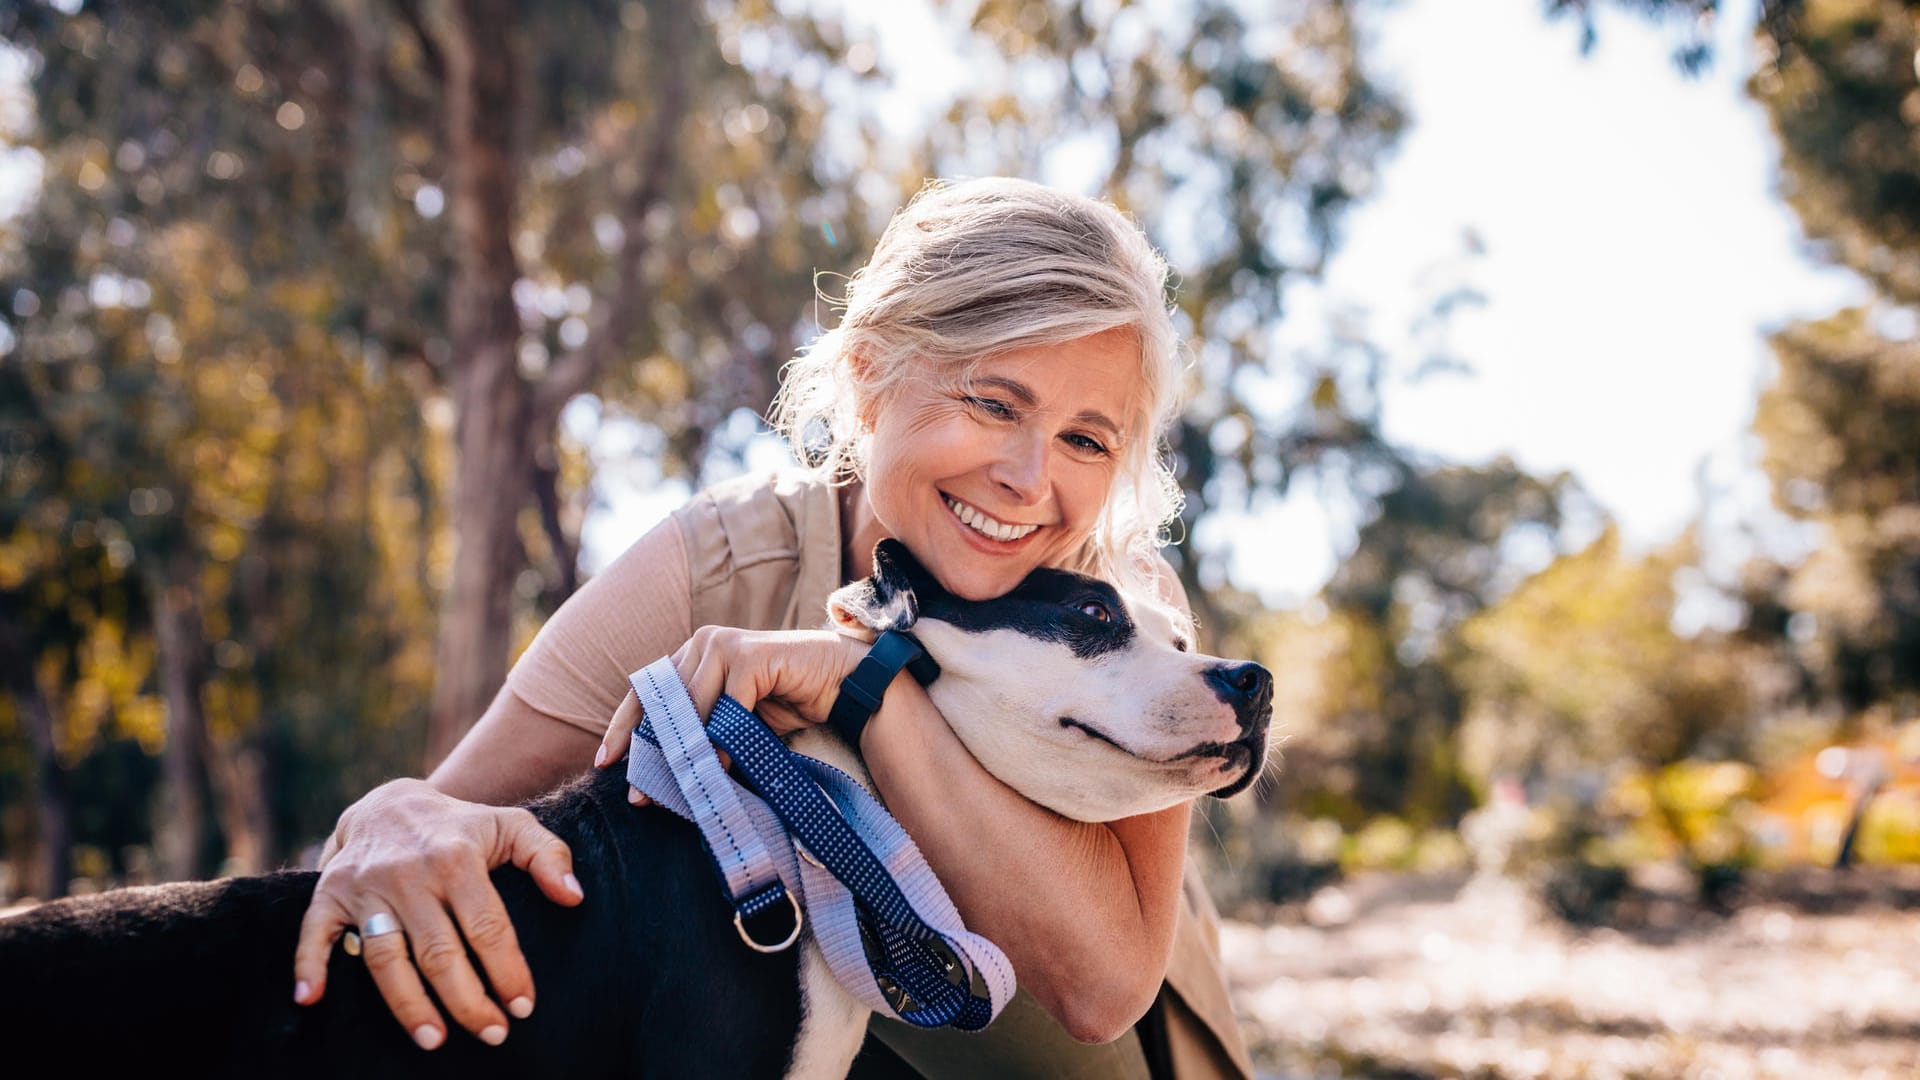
x: 833, y: 1024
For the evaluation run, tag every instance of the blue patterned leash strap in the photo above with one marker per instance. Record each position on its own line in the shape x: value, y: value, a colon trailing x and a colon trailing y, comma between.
x: 885, y: 926
x: 674, y: 764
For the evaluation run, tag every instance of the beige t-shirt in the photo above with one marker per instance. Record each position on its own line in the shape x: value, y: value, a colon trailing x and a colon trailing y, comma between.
x: 763, y: 553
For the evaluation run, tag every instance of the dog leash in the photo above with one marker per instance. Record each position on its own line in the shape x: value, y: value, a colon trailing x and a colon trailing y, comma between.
x: 811, y: 836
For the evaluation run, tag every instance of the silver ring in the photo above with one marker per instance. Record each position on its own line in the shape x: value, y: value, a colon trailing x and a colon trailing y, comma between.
x: 379, y: 923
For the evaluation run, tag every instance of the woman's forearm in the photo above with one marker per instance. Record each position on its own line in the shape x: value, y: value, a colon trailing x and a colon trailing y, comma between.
x: 513, y: 754
x: 575, y: 672
x: 1085, y: 911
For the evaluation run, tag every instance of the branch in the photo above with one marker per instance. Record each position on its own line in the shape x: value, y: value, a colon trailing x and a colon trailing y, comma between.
x: 409, y: 12
x: 614, y: 320
x: 565, y: 553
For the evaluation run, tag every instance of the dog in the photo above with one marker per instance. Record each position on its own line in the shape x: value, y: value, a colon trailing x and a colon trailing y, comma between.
x: 1091, y: 703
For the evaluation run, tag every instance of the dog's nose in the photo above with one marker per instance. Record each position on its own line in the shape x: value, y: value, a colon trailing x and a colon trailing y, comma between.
x: 1241, y: 685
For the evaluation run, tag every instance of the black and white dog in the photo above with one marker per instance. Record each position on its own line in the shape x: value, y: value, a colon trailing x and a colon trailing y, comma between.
x: 1086, y: 701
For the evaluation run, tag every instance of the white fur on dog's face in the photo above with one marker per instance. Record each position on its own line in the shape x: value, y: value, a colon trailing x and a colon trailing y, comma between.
x: 1096, y: 719
x: 1091, y: 739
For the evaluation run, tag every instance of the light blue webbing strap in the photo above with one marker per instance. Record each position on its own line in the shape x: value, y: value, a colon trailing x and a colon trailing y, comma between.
x: 679, y: 770
x: 887, y: 929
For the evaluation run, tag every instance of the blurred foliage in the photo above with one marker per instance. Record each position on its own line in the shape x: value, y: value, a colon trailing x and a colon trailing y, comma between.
x: 1842, y: 431
x: 1697, y: 812
x: 233, y: 383
x: 234, y: 316
x: 1438, y: 664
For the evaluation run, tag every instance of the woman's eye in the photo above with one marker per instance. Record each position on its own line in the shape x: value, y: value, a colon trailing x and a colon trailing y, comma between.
x: 1087, y: 443
x: 993, y: 407
x: 1096, y: 609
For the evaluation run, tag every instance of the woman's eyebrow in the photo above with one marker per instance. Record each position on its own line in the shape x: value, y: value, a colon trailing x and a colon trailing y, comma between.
x: 1019, y: 390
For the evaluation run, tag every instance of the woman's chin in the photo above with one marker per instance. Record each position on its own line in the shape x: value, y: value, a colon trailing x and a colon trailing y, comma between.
x: 977, y: 582
x: 979, y: 589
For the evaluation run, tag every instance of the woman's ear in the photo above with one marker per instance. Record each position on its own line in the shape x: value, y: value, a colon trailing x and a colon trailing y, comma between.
x: 866, y: 388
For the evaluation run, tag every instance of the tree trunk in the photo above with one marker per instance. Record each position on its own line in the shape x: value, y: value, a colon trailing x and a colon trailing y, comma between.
x: 52, y: 867
x: 504, y: 420
x: 491, y: 400
x: 180, y: 816
x: 238, y: 770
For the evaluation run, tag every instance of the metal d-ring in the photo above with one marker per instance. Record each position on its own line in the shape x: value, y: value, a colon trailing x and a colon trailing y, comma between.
x: 792, y: 937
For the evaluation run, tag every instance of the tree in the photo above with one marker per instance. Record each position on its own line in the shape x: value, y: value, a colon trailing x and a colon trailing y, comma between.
x: 288, y: 257
x: 1580, y: 668
x: 1841, y: 426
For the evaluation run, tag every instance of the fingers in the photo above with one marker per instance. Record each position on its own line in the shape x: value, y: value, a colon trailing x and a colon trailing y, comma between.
x: 710, y: 675
x: 529, y: 846
x: 484, y: 923
x: 781, y: 717
x: 424, y: 861
x: 319, y: 929
x: 387, y: 960
x: 613, y: 745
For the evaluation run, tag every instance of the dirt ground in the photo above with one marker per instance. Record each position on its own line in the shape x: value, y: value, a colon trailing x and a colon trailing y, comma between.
x: 1420, y: 977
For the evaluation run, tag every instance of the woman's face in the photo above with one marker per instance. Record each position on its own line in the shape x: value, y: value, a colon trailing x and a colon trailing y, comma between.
x: 986, y: 483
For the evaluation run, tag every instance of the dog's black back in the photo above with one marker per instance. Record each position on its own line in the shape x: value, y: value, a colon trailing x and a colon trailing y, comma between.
x: 646, y: 977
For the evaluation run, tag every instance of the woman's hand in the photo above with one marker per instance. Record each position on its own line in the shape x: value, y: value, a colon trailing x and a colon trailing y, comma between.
x: 789, y: 677
x: 418, y: 855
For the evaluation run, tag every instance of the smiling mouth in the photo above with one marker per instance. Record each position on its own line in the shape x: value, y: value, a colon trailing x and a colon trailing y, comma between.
x: 983, y: 524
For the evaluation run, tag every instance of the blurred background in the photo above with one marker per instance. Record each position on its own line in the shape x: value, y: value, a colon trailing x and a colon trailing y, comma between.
x: 1554, y: 434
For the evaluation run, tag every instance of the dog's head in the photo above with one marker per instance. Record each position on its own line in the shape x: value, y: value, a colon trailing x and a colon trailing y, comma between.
x: 1089, y: 702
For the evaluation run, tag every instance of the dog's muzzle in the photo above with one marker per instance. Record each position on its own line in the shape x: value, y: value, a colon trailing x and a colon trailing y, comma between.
x: 1248, y: 688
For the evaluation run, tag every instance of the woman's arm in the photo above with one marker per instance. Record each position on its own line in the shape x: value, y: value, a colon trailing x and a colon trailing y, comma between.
x: 421, y: 850
x: 514, y: 753
x: 1084, y: 911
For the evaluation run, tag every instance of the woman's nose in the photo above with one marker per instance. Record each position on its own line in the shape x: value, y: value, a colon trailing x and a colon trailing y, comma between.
x: 1021, y: 467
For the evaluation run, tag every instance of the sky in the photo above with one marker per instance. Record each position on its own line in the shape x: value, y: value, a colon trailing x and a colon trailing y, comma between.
x: 1636, y: 254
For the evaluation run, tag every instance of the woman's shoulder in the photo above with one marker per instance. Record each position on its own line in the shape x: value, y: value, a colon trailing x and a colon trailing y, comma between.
x: 759, y: 514
x: 764, y: 530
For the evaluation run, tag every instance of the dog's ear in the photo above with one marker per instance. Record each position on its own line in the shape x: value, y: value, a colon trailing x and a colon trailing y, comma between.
x: 889, y: 600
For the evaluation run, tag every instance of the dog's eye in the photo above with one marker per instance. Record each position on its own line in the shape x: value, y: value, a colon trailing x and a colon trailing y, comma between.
x: 1096, y: 609
x: 1180, y: 644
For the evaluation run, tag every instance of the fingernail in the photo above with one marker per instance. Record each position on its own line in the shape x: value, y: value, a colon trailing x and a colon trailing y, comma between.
x: 634, y: 796
x: 522, y: 1007
x: 493, y: 1034
x: 427, y: 1036
x: 600, y: 756
x: 300, y: 991
x: 573, y: 886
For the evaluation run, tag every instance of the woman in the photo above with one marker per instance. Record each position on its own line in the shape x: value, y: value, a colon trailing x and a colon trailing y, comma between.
x: 996, y: 397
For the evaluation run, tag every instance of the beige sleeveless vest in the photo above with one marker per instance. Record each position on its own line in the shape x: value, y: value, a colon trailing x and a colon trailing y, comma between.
x: 763, y: 553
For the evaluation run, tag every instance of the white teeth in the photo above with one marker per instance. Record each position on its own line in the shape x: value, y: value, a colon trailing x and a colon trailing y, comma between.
x: 987, y: 526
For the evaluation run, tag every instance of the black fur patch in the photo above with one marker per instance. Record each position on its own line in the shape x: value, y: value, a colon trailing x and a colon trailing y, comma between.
x: 1050, y: 605
x: 646, y: 978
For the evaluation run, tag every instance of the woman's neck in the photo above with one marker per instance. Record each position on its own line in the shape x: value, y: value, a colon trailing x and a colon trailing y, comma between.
x: 860, y: 529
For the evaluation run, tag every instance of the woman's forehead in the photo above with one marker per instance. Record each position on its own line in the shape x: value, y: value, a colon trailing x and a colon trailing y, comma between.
x: 1101, y: 374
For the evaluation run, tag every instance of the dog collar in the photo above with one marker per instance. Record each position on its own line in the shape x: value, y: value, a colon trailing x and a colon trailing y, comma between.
x: 861, y: 692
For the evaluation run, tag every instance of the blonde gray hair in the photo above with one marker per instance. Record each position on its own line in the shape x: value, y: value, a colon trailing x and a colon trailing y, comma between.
x: 973, y: 268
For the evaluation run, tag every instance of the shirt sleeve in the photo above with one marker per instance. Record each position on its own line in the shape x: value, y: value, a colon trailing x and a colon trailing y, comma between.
x: 624, y: 618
